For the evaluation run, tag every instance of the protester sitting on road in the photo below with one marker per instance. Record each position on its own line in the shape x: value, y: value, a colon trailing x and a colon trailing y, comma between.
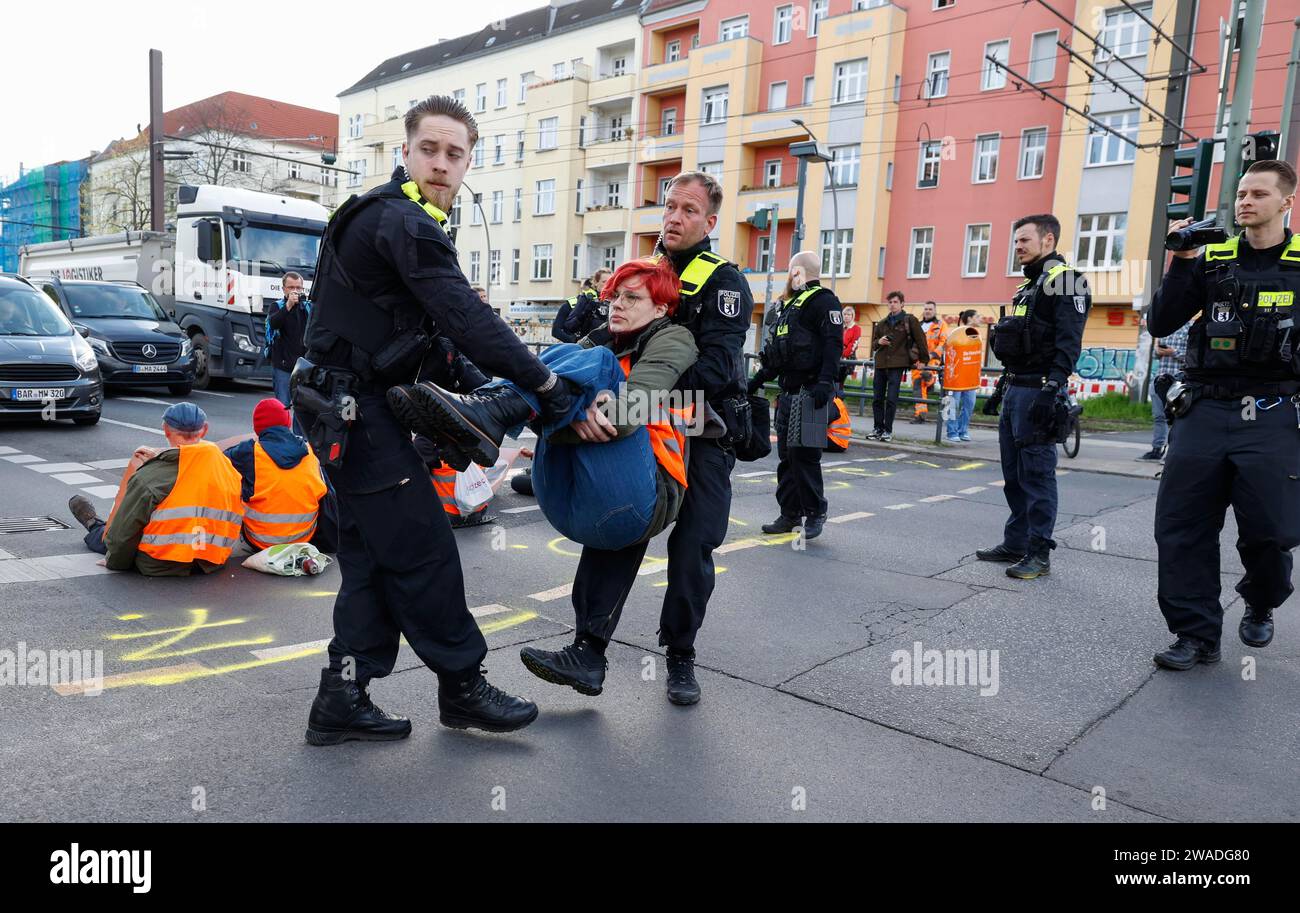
x: 286, y: 498
x: 601, y: 478
x: 177, y: 510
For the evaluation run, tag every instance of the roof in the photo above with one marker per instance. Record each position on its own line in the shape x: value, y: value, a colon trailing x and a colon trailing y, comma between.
x: 530, y: 25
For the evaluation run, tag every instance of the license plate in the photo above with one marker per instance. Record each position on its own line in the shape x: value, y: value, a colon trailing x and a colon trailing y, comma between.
x: 149, y: 369
x: 38, y: 394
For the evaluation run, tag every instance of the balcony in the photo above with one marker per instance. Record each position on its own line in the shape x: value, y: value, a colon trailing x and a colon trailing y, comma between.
x: 755, y: 198
x: 647, y: 219
x: 660, y: 148
x: 661, y: 77
x: 608, y: 89
x: 766, y: 127
x: 610, y: 147
x: 605, y: 220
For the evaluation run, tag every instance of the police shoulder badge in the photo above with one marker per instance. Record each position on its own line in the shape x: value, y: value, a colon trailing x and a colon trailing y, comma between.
x: 1081, y: 303
x: 836, y: 317
x: 728, y: 303
x: 1222, y: 312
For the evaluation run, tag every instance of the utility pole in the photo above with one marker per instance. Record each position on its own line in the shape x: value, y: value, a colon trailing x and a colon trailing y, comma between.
x: 1248, y: 38
x: 157, y: 187
x: 771, y: 270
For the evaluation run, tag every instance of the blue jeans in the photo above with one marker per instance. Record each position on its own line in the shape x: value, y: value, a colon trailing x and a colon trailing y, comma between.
x: 602, y: 495
x: 963, y: 405
x: 280, y: 380
x: 1159, y: 425
x: 1030, y: 475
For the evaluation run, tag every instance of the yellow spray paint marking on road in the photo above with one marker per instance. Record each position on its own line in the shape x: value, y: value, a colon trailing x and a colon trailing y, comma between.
x: 964, y: 467
x: 131, y: 617
x: 925, y: 463
x: 736, y: 521
x: 859, y: 472
x: 510, y: 621
x: 321, y: 593
x: 519, y: 546
x: 198, y: 622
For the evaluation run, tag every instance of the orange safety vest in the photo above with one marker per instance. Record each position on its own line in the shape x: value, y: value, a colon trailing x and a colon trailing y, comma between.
x: 837, y: 432
x: 285, y: 502
x: 201, y: 515
x: 666, y: 436
x: 444, y: 483
x: 934, y: 339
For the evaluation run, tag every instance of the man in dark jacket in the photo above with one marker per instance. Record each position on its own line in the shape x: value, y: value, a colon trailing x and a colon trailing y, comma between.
x: 286, y: 328
x: 897, y: 343
x: 582, y: 313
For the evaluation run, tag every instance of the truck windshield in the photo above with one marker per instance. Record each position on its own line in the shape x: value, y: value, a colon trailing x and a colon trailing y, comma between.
x: 124, y: 302
x: 26, y: 312
x: 277, y: 246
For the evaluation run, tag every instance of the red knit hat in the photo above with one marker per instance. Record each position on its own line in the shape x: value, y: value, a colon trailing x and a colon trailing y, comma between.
x: 269, y: 413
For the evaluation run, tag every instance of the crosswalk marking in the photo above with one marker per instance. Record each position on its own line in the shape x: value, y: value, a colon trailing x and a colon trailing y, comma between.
x: 210, y: 393
x: 973, y: 490
x: 934, y: 499
x: 23, y: 458
x: 75, y: 478
x: 108, y: 492
x: 144, y: 399
x: 521, y: 510
x: 113, y: 421
x: 898, y: 506
x: 750, y: 475
x: 51, y: 567
x: 59, y: 467
x: 550, y: 595
x: 4, y: 450
x: 108, y: 464
x: 860, y: 515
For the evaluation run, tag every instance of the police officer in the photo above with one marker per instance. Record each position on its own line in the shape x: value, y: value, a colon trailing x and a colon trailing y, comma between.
x: 716, y: 306
x: 582, y: 313
x: 804, y: 353
x: 1235, y: 433
x: 1038, y: 345
x: 388, y: 285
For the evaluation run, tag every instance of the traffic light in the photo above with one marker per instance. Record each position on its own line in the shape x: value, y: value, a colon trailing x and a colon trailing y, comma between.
x: 761, y: 219
x: 1194, y: 186
x: 1257, y: 147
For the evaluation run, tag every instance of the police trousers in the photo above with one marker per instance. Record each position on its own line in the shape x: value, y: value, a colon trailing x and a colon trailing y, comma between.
x: 799, y: 489
x: 397, y: 555
x: 605, y: 578
x: 1219, y: 457
x: 1029, y: 472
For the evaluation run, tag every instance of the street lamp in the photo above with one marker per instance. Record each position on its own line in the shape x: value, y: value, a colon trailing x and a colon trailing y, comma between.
x: 814, y: 151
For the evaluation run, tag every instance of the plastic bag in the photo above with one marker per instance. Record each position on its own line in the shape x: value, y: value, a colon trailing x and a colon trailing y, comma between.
x: 473, y: 489
x: 292, y: 560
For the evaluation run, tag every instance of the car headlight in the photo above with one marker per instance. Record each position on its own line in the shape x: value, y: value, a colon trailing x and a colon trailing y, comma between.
x: 244, y: 343
x: 186, y: 348
x: 99, y: 346
x: 86, y: 361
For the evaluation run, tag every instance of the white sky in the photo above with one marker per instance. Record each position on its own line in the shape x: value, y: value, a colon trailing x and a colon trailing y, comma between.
x: 74, y: 75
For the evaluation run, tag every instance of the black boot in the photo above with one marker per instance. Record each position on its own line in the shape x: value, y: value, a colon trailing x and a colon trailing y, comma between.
x: 812, y: 527
x: 683, y: 689
x: 523, y: 482
x: 1000, y: 552
x: 781, y: 524
x: 475, y: 422
x: 1038, y: 563
x: 467, y: 701
x: 83, y: 510
x: 579, y: 666
x: 1256, y: 628
x: 1186, y: 652
x: 342, y: 711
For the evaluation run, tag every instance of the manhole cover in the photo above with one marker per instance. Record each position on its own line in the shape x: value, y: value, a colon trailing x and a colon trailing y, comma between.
x: 30, y: 524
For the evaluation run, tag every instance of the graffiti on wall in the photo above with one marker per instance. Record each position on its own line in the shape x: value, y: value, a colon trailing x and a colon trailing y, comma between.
x: 1102, y: 363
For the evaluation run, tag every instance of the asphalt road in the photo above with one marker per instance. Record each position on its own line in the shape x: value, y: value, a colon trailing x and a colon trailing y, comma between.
x: 809, y: 712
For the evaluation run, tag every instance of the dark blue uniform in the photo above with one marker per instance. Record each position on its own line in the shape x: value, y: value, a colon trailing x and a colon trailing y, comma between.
x: 578, y: 316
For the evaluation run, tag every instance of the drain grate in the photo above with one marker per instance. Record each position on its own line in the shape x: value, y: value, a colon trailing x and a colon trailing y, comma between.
x: 30, y: 524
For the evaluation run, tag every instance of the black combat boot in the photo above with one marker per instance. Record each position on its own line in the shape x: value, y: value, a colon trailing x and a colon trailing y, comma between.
x: 1000, y: 552
x: 1256, y: 629
x: 1037, y: 563
x: 343, y: 710
x: 83, y: 510
x: 475, y: 423
x: 467, y: 701
x: 523, y: 483
x: 781, y: 524
x: 683, y: 689
x: 1186, y: 652
x: 812, y: 527
x: 580, y: 666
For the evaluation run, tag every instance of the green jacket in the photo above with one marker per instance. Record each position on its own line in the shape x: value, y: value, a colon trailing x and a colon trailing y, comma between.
x: 148, y: 488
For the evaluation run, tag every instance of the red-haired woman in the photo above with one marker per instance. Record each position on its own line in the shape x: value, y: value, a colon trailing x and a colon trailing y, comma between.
x: 612, y: 473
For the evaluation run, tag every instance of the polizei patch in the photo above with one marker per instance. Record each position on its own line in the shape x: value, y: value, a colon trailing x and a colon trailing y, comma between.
x: 728, y: 303
x: 836, y: 317
x: 1081, y: 303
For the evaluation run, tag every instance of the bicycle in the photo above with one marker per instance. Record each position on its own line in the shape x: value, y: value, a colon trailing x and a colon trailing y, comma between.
x: 1074, y: 434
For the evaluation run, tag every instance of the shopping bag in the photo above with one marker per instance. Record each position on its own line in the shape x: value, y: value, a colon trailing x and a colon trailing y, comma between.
x: 473, y: 489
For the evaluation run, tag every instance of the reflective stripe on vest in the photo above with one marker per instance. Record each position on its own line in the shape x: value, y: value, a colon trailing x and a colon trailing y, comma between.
x: 444, y: 483
x: 783, y: 328
x: 285, y: 502
x: 698, y: 272
x: 1020, y: 309
x: 412, y: 191
x: 1230, y: 249
x: 200, y: 517
x: 666, y: 437
x: 837, y: 432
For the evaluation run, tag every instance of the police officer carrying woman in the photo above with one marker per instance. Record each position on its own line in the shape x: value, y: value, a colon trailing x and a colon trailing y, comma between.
x: 804, y: 353
x: 388, y: 285
x: 1038, y: 344
x: 1235, y: 437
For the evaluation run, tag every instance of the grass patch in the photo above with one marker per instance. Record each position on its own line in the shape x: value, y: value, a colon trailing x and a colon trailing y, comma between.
x: 1116, y: 407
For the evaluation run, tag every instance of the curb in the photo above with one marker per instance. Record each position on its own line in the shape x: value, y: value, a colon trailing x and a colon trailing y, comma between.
x: 932, y: 450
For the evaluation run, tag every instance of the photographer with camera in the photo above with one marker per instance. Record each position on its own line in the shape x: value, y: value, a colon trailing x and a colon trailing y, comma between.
x: 1235, y: 415
x: 286, y: 329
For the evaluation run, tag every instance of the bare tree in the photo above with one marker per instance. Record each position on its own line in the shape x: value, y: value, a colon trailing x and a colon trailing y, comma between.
x: 230, y: 158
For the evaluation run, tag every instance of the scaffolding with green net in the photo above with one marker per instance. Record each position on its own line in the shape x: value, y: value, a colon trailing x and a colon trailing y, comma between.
x: 44, y: 204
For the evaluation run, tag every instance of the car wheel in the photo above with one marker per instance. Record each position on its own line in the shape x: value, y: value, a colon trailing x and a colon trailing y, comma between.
x: 202, y: 378
x: 180, y: 389
x: 87, y: 419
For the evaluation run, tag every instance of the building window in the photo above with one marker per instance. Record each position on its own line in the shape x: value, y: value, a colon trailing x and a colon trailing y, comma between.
x: 808, y: 86
x: 1124, y: 34
x: 577, y: 199
x: 397, y: 159
x: 519, y: 145
x: 557, y: 70
x: 673, y: 52
x: 772, y: 173
x: 986, y: 158
x: 545, y: 198
x: 695, y: 41
x: 502, y: 92
x: 663, y: 189
x: 1013, y: 268
x: 817, y: 10
x: 609, y: 258
x: 850, y: 82
x: 781, y: 28
x: 936, y: 74
x: 927, y: 172
x: 1101, y: 240
x: 548, y: 133
x: 1107, y: 148
x: 776, y: 96
x: 763, y: 262
x: 498, y: 206
x: 944, y: 4
x: 668, y: 122
x: 475, y: 211
x: 577, y: 254
x: 977, y: 250
x: 524, y: 80
x: 239, y: 162
x: 842, y: 169
x: 519, y: 203
x: 498, y: 149
x: 514, y: 265
x: 453, y: 217
x: 494, y: 267
x: 619, y: 66
x: 1033, y: 153
x: 918, y: 266
x: 991, y: 75
x: 715, y: 105
x: 733, y: 28
x: 898, y: 87
x: 328, y: 178
x: 355, y: 123
x: 880, y: 263
x: 459, y: 95
x: 295, y: 168
x: 358, y: 166
x: 480, y: 97
x: 614, y: 194
x: 478, y: 155
x: 843, y: 252
x: 542, y: 262
x: 713, y: 168
x: 889, y: 175
x: 1042, y: 57
x: 474, y: 268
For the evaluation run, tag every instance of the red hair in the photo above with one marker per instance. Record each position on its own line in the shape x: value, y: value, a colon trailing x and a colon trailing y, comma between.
x: 657, y: 277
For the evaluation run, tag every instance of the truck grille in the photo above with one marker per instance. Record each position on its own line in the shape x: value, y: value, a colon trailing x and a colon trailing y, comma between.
x: 132, y: 352
x: 24, y: 373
